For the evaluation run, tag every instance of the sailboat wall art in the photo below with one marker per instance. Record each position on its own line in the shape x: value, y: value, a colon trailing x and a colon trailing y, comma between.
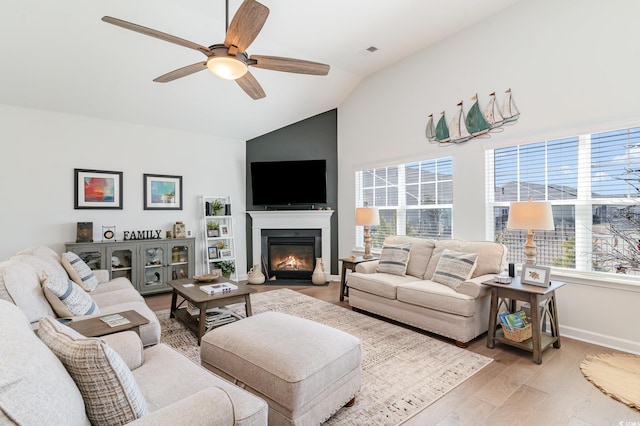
x: 476, y: 123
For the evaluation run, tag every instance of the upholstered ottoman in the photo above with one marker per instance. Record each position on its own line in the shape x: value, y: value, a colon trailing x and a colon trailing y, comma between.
x: 306, y: 371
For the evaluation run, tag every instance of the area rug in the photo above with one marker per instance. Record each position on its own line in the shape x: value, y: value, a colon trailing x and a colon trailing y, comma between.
x: 617, y: 375
x: 403, y: 371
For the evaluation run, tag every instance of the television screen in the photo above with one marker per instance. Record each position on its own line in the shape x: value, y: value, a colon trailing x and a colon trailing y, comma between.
x: 282, y: 183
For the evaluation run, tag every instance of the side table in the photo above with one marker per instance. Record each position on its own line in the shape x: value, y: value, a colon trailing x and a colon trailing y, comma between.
x: 349, y: 263
x: 95, y: 327
x: 534, y: 295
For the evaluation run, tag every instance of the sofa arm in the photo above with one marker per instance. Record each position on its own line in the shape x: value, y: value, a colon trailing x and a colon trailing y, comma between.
x: 367, y: 267
x: 473, y: 287
x: 102, y: 275
x: 128, y: 345
x: 210, y: 406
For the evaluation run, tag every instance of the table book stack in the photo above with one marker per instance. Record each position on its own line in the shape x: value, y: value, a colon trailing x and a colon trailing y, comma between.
x: 215, y: 316
x: 218, y: 288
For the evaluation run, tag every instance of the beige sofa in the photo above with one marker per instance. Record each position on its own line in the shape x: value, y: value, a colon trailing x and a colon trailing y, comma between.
x: 21, y: 278
x: 460, y: 314
x: 37, y: 389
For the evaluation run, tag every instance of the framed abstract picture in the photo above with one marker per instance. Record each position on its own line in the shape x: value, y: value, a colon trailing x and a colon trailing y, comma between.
x: 162, y: 192
x: 97, y: 189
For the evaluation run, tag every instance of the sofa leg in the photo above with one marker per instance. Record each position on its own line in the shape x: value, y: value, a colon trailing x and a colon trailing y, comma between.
x: 462, y: 344
x: 351, y: 402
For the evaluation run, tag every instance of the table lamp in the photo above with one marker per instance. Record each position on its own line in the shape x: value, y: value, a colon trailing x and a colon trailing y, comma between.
x: 530, y: 215
x: 367, y: 216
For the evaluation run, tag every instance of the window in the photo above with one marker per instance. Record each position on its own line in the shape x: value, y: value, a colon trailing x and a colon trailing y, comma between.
x: 413, y: 199
x: 593, y: 184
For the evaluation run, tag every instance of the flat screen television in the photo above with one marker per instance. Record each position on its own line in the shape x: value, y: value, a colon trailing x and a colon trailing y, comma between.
x: 286, y: 183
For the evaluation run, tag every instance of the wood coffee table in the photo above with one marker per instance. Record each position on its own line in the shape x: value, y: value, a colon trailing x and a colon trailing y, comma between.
x: 203, y: 301
x: 95, y: 327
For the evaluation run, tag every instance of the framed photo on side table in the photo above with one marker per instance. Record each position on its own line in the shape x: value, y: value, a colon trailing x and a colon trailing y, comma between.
x: 536, y: 275
x: 162, y: 192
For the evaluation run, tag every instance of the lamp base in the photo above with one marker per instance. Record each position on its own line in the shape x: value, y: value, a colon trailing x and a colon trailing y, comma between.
x: 530, y: 250
x: 367, y: 243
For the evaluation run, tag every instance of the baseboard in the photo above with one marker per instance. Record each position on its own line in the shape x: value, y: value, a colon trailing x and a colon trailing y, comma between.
x: 600, y: 339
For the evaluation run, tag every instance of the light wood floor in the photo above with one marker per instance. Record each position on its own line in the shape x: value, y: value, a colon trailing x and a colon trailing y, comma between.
x: 512, y: 390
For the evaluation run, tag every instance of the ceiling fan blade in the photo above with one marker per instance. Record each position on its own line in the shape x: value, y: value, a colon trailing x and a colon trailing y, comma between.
x: 181, y: 72
x: 157, y: 34
x: 246, y: 24
x: 249, y: 84
x: 300, y: 66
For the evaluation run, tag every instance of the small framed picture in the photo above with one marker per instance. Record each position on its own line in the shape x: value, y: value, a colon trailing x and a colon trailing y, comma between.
x: 224, y: 230
x: 212, y: 233
x: 225, y: 253
x: 536, y: 275
x: 213, y: 252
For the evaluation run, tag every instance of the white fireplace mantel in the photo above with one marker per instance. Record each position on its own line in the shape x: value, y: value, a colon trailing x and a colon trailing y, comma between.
x: 292, y: 219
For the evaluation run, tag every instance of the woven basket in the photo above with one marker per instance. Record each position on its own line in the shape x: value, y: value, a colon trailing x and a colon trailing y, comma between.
x: 519, y: 334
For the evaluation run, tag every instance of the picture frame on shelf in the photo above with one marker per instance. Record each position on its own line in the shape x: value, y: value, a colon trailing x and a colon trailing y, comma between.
x: 213, y: 252
x: 97, y: 189
x: 224, y: 230
x: 162, y: 192
x: 225, y: 253
x: 212, y: 233
x: 535, y: 275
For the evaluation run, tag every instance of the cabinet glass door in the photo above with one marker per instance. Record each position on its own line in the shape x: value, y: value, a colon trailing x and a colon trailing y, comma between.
x: 93, y: 258
x: 154, y: 268
x: 180, y: 261
x: 120, y: 263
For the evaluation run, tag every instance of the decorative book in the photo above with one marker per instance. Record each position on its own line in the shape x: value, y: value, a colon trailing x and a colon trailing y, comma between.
x: 218, y: 288
x: 114, y: 320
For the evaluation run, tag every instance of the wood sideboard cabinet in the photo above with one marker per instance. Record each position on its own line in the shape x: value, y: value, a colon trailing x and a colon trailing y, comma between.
x: 148, y: 264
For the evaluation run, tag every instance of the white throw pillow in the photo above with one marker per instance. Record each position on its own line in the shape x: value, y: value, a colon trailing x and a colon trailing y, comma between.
x: 110, y: 392
x: 454, y: 268
x: 67, y: 298
x: 394, y: 259
x: 79, y: 271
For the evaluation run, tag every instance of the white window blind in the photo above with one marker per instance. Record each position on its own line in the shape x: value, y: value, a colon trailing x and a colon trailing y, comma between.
x: 413, y: 199
x: 592, y: 182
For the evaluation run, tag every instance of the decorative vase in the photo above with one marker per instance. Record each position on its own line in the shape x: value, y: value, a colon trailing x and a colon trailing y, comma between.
x: 318, y: 277
x: 255, y: 275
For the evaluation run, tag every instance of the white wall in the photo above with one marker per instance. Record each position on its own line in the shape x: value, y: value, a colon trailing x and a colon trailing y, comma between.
x: 40, y: 150
x: 572, y: 67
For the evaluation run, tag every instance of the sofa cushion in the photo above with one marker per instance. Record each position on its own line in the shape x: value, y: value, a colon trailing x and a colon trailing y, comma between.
x: 436, y: 296
x: 47, y: 254
x: 67, y: 298
x: 110, y: 392
x: 421, y: 249
x: 35, y: 388
x: 394, y: 259
x: 454, y: 267
x: 79, y: 271
x: 491, y: 256
x: 380, y: 284
x: 23, y: 285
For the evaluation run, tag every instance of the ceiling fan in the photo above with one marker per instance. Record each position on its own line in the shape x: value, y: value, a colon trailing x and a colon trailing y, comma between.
x: 229, y: 60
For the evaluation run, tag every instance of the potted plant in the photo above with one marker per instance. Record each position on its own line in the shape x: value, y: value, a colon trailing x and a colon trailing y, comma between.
x: 228, y: 267
x: 213, y: 228
x: 218, y: 207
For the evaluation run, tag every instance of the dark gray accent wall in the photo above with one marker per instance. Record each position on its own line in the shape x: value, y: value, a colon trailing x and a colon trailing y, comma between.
x: 315, y: 138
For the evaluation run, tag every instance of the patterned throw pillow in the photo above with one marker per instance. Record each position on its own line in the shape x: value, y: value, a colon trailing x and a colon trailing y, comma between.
x: 394, y: 259
x: 79, y: 271
x: 454, y: 268
x: 67, y: 298
x: 109, y: 390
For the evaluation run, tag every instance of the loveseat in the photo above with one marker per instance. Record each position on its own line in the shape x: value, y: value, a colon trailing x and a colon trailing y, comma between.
x: 445, y: 298
x: 22, y: 279
x: 38, y: 386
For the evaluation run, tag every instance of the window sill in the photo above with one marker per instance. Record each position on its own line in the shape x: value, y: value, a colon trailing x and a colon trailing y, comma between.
x: 612, y: 281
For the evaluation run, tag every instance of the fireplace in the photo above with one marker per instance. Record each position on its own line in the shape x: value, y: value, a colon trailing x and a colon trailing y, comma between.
x: 291, y: 253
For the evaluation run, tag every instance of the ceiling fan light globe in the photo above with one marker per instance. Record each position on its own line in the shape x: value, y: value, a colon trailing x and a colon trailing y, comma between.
x: 227, y: 67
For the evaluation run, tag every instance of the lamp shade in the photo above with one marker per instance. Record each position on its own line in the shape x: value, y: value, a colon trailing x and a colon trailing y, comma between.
x: 367, y: 216
x: 226, y: 67
x: 531, y: 215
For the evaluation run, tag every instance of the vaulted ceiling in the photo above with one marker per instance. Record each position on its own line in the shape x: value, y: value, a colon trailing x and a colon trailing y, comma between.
x: 59, y: 56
